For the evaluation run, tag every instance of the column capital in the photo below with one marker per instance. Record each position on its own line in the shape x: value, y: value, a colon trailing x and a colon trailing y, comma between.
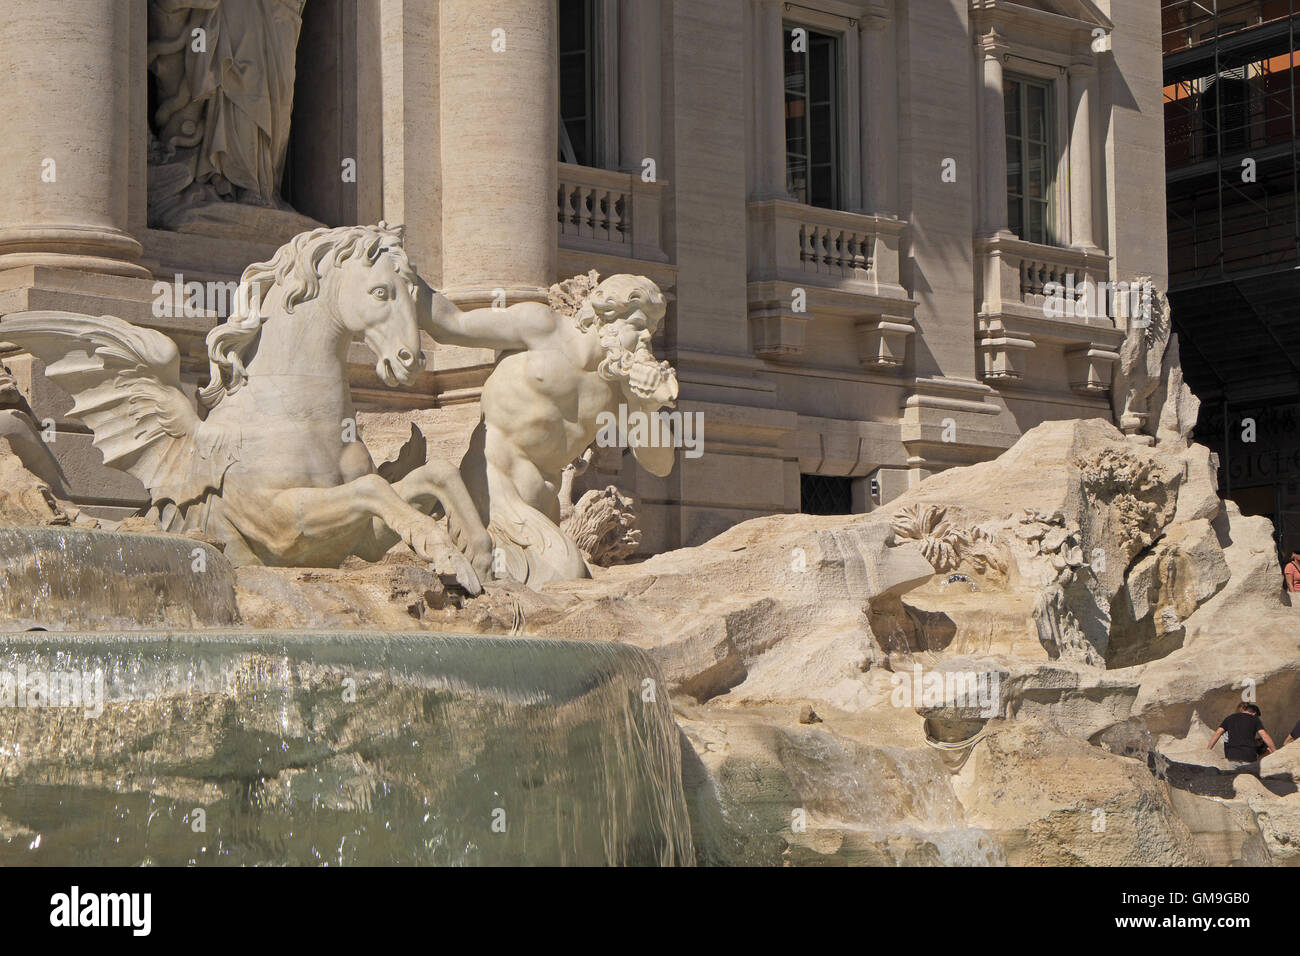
x: 993, y: 44
x: 876, y: 15
x: 1082, y: 66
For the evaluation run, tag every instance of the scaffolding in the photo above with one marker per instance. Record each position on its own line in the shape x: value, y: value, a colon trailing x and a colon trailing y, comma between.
x: 1232, y: 151
x: 1231, y: 137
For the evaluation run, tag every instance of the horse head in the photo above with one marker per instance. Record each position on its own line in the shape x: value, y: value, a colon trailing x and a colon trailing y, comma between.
x: 359, y: 274
x: 375, y: 301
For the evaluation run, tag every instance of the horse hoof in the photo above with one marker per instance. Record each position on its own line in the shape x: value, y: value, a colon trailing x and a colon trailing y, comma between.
x: 458, y: 574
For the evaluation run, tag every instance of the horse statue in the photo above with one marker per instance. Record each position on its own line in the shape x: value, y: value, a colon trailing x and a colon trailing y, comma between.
x: 263, y: 460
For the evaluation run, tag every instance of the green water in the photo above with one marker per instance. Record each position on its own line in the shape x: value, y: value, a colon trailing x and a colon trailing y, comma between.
x: 340, y: 748
x: 59, y: 578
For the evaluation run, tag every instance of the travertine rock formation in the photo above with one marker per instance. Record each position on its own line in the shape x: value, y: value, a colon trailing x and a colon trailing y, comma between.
x: 1040, y: 691
x: 24, y: 498
x: 1096, y: 585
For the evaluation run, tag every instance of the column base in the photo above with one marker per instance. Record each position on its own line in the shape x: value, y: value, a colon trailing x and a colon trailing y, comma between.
x: 82, y: 248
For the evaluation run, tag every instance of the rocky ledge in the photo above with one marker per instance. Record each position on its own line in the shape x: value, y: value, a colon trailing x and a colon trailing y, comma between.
x: 1020, y: 661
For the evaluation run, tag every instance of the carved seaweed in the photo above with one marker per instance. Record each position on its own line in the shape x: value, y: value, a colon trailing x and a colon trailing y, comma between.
x: 1132, y: 486
x: 938, y: 540
x: 603, y: 525
x: 944, y: 544
x: 567, y: 297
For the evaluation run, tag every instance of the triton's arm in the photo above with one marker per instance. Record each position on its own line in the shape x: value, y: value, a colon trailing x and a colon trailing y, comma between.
x: 520, y: 326
x: 658, y: 460
x: 661, y: 383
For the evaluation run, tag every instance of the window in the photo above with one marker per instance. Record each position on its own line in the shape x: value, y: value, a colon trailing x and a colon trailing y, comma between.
x: 580, y: 93
x: 1030, y: 159
x: 812, y: 110
x: 824, y: 495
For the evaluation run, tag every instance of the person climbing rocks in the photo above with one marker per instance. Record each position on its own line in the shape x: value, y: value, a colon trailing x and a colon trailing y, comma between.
x: 1261, y: 749
x: 1292, y: 572
x: 1238, y: 730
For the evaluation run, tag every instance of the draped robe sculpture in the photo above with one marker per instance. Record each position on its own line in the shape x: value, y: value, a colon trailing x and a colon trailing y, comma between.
x: 224, y: 73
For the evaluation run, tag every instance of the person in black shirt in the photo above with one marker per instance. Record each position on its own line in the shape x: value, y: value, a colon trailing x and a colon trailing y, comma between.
x: 1294, y: 735
x: 1261, y: 749
x: 1238, y: 731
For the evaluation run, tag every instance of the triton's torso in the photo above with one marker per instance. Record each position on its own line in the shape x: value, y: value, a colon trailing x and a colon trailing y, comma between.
x: 545, y: 404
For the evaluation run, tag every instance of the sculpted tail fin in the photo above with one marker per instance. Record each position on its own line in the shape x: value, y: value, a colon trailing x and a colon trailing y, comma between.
x: 534, y: 549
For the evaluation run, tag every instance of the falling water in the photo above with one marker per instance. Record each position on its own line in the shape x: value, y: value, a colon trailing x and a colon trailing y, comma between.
x: 60, y: 578
x: 900, y: 800
x: 229, y: 747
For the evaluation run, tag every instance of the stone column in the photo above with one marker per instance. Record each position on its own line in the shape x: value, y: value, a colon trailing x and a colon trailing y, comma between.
x: 1082, y: 78
x: 64, y: 136
x: 499, y: 94
x: 879, y: 128
x: 639, y: 64
x: 769, y: 113
x: 993, y: 216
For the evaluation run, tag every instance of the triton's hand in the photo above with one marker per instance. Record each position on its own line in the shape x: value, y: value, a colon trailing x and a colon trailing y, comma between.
x: 644, y: 379
x: 655, y: 383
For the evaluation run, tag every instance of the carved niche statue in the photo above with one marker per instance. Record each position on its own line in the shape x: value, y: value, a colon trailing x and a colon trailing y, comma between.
x: 224, y: 76
x: 262, y: 462
x: 1149, y: 399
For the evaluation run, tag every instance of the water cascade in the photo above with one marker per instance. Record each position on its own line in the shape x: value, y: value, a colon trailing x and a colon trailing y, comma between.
x: 243, y: 747
x: 61, y: 578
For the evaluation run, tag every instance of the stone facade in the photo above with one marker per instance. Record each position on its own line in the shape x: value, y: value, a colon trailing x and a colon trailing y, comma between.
x: 892, y: 333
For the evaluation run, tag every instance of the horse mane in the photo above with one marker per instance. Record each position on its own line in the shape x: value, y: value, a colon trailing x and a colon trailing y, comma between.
x: 297, y: 267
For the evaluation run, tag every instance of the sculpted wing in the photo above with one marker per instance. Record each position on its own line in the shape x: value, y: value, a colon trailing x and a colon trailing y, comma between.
x: 125, y: 384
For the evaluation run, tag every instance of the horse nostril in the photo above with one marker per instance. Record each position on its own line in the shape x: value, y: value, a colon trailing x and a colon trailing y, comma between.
x: 404, y: 356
